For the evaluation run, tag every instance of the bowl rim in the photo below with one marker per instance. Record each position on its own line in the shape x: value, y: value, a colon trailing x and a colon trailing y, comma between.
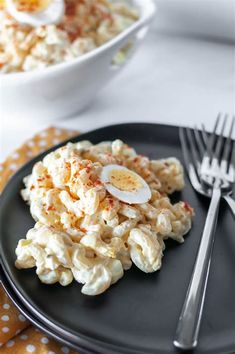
x: 147, y: 11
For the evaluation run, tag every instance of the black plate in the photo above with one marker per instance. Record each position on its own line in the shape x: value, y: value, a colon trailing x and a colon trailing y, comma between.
x: 139, y: 314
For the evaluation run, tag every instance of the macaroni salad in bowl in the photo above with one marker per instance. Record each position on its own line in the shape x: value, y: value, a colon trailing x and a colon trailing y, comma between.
x: 84, y: 230
x: 86, y: 25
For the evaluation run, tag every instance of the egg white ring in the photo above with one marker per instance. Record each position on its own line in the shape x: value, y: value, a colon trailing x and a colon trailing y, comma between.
x: 51, y: 15
x: 143, y: 194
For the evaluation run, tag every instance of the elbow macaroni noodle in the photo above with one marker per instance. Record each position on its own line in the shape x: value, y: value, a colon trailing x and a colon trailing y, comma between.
x: 84, y: 233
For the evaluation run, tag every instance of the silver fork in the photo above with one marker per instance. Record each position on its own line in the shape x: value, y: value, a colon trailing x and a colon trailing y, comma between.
x: 193, y: 159
x: 216, y: 174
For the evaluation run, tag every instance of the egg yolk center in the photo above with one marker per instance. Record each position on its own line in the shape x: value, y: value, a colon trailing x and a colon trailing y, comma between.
x: 31, y: 5
x: 124, y: 180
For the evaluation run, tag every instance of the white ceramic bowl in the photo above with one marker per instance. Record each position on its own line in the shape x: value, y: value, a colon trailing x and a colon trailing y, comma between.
x: 64, y: 89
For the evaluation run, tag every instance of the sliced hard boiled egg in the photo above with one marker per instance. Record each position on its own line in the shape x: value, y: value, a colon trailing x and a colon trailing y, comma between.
x: 36, y: 12
x: 125, y: 184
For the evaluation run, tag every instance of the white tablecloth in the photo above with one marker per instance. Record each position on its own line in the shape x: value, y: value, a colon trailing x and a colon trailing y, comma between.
x: 174, y: 78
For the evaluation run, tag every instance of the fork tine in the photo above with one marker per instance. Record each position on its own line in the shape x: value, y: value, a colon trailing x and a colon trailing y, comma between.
x: 191, y: 169
x: 232, y: 156
x: 213, y: 135
x: 196, y: 159
x: 220, y: 140
x: 231, y: 162
x: 184, y: 145
x: 228, y: 145
x: 205, y: 136
x: 207, y: 142
x: 200, y: 142
x: 184, y: 138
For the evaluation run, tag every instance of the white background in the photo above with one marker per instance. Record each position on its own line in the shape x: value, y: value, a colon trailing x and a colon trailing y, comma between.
x: 183, y: 74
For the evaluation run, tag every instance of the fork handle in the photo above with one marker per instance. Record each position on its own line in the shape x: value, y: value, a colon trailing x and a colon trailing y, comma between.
x: 186, y: 336
x: 231, y: 203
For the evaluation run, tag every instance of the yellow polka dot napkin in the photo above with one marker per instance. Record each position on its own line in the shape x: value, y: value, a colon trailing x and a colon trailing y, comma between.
x: 17, y: 336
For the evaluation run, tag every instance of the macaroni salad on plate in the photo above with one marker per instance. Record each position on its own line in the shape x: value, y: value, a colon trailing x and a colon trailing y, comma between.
x: 99, y: 209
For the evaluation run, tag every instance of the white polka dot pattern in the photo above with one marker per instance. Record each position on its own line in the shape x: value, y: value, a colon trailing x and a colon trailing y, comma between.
x: 10, y: 343
x: 13, y: 166
x: 22, y: 318
x: 42, y: 143
x: 15, y: 156
x: 5, y: 318
x: 23, y: 337
x: 30, y: 348
x: 29, y: 153
x: 44, y: 340
x: 5, y: 329
x: 6, y: 306
x: 30, y: 143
